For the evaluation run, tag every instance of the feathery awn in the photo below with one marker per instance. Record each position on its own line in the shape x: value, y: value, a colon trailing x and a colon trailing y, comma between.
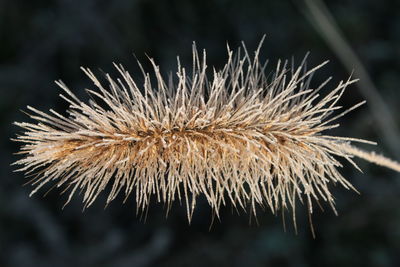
x: 239, y: 137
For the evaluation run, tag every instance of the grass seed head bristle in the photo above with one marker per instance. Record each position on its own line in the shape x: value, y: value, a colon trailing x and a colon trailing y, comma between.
x: 238, y: 138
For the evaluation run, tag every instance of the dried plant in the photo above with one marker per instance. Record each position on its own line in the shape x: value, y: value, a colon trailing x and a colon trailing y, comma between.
x: 240, y: 138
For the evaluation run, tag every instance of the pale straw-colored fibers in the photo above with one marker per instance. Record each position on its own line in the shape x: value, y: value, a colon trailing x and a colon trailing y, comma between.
x: 236, y: 136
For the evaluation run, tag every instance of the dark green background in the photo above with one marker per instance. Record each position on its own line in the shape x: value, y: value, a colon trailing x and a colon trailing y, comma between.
x: 41, y: 41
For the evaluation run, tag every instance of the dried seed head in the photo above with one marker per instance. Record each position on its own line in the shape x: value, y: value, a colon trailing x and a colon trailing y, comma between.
x: 239, y: 138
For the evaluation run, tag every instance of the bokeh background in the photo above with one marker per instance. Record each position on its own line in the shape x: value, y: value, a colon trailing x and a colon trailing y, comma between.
x: 42, y: 41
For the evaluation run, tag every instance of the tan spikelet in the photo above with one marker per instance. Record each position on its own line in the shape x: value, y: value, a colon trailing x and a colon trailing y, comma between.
x: 236, y: 137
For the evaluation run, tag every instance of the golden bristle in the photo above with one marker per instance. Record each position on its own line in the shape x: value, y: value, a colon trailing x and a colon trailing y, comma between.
x: 239, y: 138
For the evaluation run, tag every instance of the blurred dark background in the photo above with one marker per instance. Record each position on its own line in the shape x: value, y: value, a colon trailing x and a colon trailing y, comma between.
x: 43, y: 40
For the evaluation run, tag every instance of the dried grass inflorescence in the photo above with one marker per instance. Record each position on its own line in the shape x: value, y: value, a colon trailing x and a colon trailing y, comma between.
x: 240, y: 138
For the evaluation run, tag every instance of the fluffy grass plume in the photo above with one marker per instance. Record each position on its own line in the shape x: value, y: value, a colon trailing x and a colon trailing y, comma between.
x: 237, y: 136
